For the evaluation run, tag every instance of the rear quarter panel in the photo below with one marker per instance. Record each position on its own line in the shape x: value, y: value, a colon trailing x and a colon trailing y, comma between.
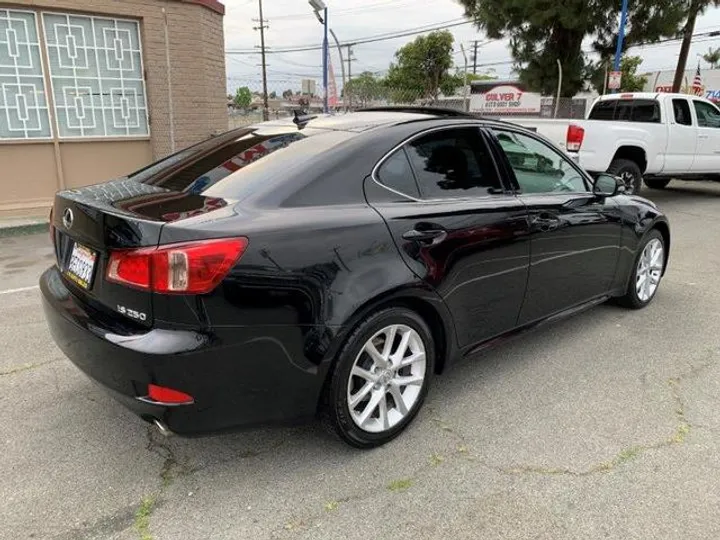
x: 311, y: 268
x: 604, y: 138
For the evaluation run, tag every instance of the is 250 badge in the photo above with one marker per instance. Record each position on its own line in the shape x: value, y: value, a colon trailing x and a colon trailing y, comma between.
x: 137, y: 315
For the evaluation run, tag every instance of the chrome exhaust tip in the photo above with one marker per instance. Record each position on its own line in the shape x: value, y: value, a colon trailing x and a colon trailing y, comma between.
x: 162, y: 428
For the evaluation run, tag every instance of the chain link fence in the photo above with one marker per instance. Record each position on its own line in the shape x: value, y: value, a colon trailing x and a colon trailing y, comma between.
x: 283, y: 100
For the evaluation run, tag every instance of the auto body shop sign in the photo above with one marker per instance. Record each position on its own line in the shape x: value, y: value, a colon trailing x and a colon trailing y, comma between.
x: 505, y: 99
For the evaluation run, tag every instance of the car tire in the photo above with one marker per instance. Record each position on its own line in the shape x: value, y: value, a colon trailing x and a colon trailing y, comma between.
x: 390, y: 412
x: 635, y: 297
x: 629, y: 172
x: 657, y: 183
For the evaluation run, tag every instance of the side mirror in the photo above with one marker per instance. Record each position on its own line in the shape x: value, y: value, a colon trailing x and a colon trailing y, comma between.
x: 606, y: 185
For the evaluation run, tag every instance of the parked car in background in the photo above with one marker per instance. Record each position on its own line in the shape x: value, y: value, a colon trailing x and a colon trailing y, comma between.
x: 333, y: 265
x: 640, y: 137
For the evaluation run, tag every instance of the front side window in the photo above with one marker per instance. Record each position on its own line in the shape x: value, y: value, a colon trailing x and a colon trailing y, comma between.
x: 23, y: 103
x: 681, y: 111
x: 453, y: 163
x: 708, y: 115
x: 537, y: 167
x: 96, y: 73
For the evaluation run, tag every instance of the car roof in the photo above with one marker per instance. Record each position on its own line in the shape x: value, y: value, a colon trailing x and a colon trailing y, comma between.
x: 368, y: 119
x: 353, y: 121
x: 645, y: 95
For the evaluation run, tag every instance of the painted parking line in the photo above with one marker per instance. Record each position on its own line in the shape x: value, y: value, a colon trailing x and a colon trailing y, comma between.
x: 20, y: 289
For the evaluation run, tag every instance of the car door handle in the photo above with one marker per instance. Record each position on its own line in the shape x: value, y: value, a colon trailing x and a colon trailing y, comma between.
x: 426, y: 236
x: 545, y: 222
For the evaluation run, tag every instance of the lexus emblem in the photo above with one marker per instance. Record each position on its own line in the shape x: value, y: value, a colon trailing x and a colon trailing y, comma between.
x: 68, y: 218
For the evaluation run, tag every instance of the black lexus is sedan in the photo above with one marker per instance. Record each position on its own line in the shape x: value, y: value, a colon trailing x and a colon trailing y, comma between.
x: 333, y: 265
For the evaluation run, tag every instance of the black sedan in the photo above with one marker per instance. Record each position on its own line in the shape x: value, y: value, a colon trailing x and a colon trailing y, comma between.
x: 333, y: 265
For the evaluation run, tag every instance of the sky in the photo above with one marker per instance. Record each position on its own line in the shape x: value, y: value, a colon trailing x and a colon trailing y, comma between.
x: 292, y: 23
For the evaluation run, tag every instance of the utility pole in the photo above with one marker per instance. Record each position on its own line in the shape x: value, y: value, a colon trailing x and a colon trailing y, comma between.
x: 262, y: 26
x: 686, y: 42
x: 349, y: 70
x: 475, y: 57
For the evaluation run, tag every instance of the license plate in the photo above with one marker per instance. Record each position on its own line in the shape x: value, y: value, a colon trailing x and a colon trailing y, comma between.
x: 81, y: 266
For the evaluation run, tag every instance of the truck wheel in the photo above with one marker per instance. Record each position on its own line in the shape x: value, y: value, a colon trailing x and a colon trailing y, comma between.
x: 656, y: 183
x: 630, y: 174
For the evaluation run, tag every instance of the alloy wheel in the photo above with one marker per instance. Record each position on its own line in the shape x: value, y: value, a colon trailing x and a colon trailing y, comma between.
x: 649, y: 270
x: 629, y: 181
x: 387, y: 378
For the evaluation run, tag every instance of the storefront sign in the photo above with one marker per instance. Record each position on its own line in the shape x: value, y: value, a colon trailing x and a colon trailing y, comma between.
x: 505, y: 99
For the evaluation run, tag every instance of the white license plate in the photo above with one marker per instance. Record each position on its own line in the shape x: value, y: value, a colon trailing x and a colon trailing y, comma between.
x: 81, y: 266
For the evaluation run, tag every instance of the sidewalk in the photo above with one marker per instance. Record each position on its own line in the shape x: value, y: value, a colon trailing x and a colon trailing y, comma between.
x: 22, y: 226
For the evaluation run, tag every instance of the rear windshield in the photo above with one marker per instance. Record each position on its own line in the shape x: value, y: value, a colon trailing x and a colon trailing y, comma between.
x: 628, y: 110
x: 234, y: 167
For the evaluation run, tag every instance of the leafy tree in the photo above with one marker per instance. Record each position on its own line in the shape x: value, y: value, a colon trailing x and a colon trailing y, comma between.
x: 243, y: 97
x: 543, y: 32
x: 287, y: 94
x: 272, y: 95
x: 364, y: 88
x: 712, y: 57
x: 481, y: 77
x: 422, y: 69
x: 631, y: 81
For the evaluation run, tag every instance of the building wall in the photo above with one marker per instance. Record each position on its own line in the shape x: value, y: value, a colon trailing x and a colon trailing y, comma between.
x: 186, y: 101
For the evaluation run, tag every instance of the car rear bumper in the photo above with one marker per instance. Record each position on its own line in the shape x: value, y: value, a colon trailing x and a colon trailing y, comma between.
x: 239, y: 376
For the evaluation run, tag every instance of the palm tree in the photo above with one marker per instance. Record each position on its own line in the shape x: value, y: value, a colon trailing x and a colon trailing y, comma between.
x: 712, y: 57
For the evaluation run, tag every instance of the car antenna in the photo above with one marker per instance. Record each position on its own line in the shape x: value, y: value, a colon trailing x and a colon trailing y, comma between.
x: 301, y: 119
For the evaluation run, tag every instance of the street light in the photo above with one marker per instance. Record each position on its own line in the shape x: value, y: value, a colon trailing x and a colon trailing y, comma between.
x: 320, y: 10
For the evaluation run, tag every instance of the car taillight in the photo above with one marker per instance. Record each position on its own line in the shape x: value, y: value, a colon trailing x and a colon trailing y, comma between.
x: 575, y: 136
x: 168, y: 396
x: 187, y: 268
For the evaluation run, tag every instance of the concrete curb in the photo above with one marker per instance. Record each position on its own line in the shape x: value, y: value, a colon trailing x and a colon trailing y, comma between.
x: 9, y: 229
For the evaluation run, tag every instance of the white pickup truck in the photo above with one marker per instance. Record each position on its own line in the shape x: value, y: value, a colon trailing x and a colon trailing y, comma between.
x: 642, y: 136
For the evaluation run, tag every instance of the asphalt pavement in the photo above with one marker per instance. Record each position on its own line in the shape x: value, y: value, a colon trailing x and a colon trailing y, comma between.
x: 606, y: 425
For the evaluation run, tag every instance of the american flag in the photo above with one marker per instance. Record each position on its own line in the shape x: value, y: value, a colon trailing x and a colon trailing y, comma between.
x: 697, y: 85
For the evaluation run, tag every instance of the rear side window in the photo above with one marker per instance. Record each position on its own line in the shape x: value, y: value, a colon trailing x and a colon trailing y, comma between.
x: 628, y: 110
x: 681, y: 112
x: 397, y: 174
x: 453, y: 163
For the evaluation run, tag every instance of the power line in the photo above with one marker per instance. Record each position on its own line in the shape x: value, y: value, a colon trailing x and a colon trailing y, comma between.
x: 360, y: 41
x: 351, y: 11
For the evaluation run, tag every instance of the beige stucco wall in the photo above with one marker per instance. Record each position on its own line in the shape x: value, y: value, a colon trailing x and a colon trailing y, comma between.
x: 90, y: 163
x: 197, y: 92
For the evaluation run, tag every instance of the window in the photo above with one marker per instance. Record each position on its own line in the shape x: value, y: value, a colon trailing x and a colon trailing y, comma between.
x: 397, y: 174
x: 629, y: 110
x: 645, y: 110
x: 538, y: 168
x: 23, y: 102
x: 453, y: 163
x: 623, y: 110
x: 708, y: 115
x: 96, y: 74
x: 603, y: 110
x: 681, y: 111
